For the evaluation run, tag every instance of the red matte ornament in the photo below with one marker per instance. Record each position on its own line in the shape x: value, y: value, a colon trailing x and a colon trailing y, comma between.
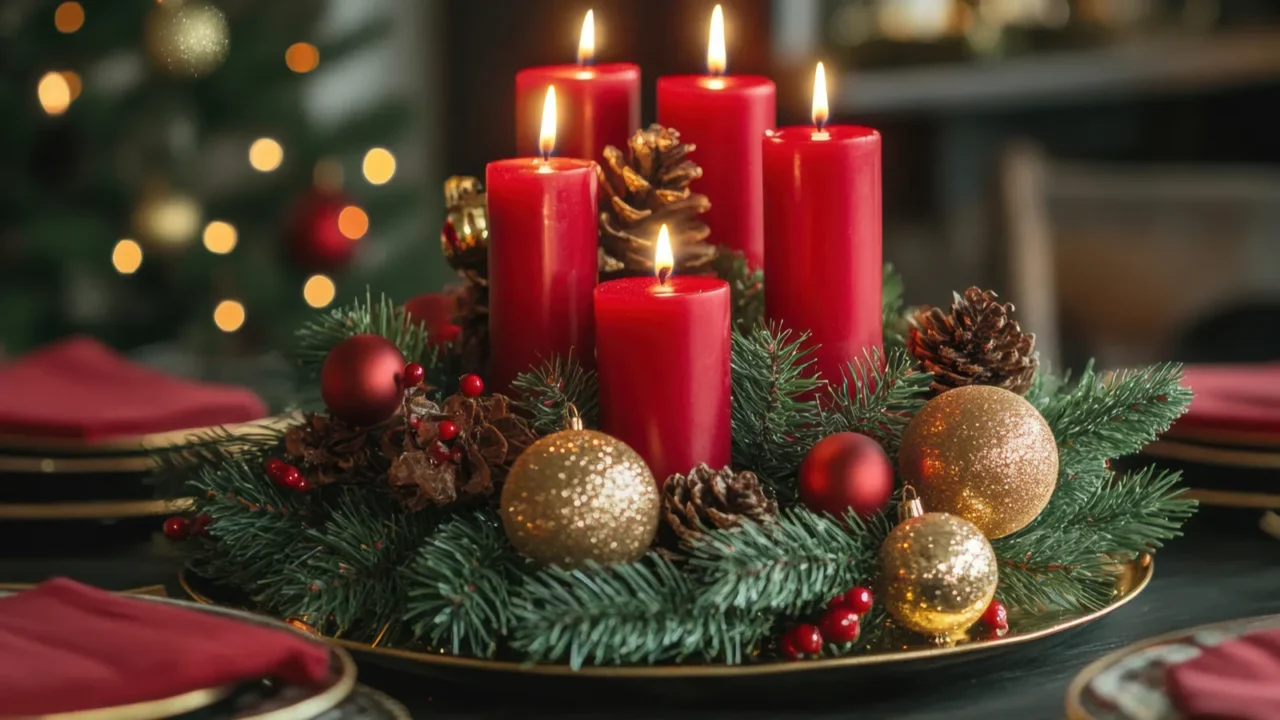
x: 471, y: 385
x: 315, y: 241
x: 177, y: 528
x: 360, y: 380
x: 846, y: 471
x: 840, y: 625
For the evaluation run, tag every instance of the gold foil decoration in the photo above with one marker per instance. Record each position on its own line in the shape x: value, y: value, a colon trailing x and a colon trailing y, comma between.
x: 577, y: 496
x: 984, y: 454
x: 464, y: 239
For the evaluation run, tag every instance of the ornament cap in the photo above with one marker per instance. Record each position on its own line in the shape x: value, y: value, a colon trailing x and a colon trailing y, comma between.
x: 572, y: 420
x: 910, y: 506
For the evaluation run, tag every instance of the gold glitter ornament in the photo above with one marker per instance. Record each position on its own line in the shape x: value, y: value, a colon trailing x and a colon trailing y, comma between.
x: 938, y: 573
x: 983, y: 453
x: 187, y: 37
x: 577, y: 496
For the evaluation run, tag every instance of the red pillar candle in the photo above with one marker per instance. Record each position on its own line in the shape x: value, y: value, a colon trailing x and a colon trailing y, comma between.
x: 599, y: 104
x: 663, y: 356
x: 822, y: 236
x: 542, y: 259
x: 725, y: 117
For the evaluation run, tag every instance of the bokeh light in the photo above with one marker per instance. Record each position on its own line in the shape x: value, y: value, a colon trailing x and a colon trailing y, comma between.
x: 69, y: 17
x: 54, y: 93
x: 379, y: 165
x: 220, y: 237
x: 302, y: 57
x: 265, y: 154
x: 73, y: 83
x: 126, y: 257
x: 228, y: 316
x: 353, y: 222
x: 319, y: 291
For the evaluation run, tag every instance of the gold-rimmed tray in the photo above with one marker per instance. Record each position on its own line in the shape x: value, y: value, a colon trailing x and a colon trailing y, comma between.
x: 277, y: 702
x: 1212, y: 455
x: 1025, y: 629
x: 135, y: 444
x: 94, y: 509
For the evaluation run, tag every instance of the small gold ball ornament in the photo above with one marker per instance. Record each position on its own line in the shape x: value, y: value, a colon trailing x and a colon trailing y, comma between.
x: 577, y: 496
x: 187, y: 37
x: 938, y: 573
x: 982, y: 453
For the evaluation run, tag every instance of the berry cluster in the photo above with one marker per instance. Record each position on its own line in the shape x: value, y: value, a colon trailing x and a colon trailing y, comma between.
x: 839, y: 624
x: 286, y: 475
x: 179, y: 527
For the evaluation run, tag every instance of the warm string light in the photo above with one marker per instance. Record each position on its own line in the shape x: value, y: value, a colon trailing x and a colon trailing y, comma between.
x: 126, y: 257
x: 664, y: 260
x: 353, y: 222
x: 587, y: 39
x: 379, y: 166
x: 69, y: 17
x: 547, y: 138
x: 821, y: 110
x: 74, y: 84
x: 54, y: 93
x: 717, y: 58
x: 229, y: 316
x: 302, y: 57
x: 319, y: 291
x: 265, y: 154
x: 220, y: 237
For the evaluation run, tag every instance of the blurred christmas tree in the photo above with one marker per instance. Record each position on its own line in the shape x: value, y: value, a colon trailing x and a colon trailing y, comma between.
x: 161, y: 178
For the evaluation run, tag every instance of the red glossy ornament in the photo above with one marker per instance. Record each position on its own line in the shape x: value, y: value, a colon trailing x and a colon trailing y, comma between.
x: 177, y: 528
x: 807, y: 639
x: 315, y: 241
x: 996, y: 616
x: 446, y: 430
x: 471, y: 385
x: 414, y: 374
x: 846, y: 471
x: 201, y: 525
x: 840, y: 625
x: 859, y: 600
x: 360, y: 380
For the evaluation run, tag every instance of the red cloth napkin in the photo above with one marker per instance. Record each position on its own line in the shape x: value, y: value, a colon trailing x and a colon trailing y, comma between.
x: 79, y: 388
x: 1237, y: 680
x: 1242, y: 398
x: 66, y: 646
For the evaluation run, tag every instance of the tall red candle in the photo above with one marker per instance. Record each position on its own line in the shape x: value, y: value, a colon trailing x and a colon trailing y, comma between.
x: 542, y: 259
x: 725, y: 117
x: 663, y: 352
x: 599, y: 104
x: 822, y: 236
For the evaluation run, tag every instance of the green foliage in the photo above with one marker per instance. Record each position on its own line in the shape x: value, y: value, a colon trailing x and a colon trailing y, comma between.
x: 459, y: 585
x: 891, y: 308
x: 878, y: 399
x: 547, y: 390
x: 746, y: 289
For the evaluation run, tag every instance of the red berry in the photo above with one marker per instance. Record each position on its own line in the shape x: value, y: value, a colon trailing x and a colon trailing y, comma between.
x: 456, y: 455
x: 996, y: 616
x: 413, y: 376
x: 289, y: 477
x: 447, y: 430
x: 302, y: 485
x: 859, y: 600
x: 440, y: 453
x: 201, y: 525
x: 275, y: 469
x: 807, y: 639
x: 788, y: 648
x: 177, y: 528
x: 471, y: 385
x: 840, y: 625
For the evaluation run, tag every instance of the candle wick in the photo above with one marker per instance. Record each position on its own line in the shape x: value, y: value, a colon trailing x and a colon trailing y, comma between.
x: 717, y: 72
x: 663, y: 274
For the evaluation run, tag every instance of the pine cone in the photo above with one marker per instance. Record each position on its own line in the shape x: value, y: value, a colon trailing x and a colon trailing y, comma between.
x: 326, y: 450
x: 473, y: 319
x: 977, y: 343
x: 707, y: 499
x: 643, y: 190
x: 419, y: 481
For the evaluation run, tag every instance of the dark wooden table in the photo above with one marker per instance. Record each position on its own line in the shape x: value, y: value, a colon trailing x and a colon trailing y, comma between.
x: 1224, y: 568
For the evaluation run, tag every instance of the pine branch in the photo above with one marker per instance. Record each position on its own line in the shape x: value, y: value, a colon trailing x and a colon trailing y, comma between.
x: 891, y: 305
x: 746, y: 289
x: 775, y: 419
x: 878, y: 401
x: 458, y: 585
x: 1068, y: 555
x: 547, y: 390
x: 175, y: 464
x: 641, y: 612
x: 381, y: 317
x: 1110, y: 417
x: 802, y: 560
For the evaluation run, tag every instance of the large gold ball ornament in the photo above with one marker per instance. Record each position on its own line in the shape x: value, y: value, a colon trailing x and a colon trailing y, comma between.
x: 937, y: 573
x: 187, y: 37
x: 577, y: 496
x: 982, y: 453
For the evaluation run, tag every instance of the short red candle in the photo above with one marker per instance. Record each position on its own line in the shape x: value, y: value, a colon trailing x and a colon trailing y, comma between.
x: 725, y: 117
x: 542, y: 263
x: 663, y: 354
x: 599, y: 105
x: 822, y: 240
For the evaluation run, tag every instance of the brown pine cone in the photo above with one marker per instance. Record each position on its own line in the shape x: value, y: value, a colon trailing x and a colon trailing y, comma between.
x: 326, y: 450
x: 707, y: 499
x: 420, y: 481
x: 643, y: 189
x: 976, y: 343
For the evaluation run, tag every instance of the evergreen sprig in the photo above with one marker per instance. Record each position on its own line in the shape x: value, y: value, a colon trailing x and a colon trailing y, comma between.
x: 788, y: 566
x: 460, y: 583
x: 893, y: 318
x: 774, y: 411
x: 642, y: 612
x: 878, y: 399
x: 746, y: 288
x: 548, y: 389
x: 379, y: 317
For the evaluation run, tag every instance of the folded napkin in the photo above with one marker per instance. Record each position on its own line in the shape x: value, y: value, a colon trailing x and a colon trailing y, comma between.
x: 1237, y: 680
x: 79, y: 388
x: 1242, y: 398
x: 66, y: 646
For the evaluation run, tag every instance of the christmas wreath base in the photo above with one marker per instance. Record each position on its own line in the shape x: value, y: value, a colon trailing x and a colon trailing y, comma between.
x: 747, y: 677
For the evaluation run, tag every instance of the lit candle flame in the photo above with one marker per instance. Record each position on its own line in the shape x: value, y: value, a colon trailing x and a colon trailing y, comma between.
x: 547, y: 138
x: 820, y: 108
x: 663, y: 260
x: 716, y: 56
x: 587, y: 40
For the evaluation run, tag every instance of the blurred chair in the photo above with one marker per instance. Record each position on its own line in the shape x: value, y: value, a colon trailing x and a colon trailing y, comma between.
x: 1121, y: 262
